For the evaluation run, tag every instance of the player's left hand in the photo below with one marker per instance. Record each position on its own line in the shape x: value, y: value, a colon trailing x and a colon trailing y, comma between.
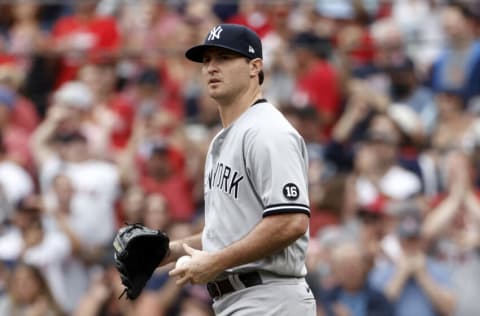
x: 202, y: 268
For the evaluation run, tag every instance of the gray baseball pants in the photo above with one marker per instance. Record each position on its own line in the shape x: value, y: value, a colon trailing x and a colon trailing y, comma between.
x: 275, y: 297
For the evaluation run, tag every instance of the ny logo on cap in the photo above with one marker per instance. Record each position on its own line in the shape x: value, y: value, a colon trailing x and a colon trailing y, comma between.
x: 215, y: 33
x: 250, y: 49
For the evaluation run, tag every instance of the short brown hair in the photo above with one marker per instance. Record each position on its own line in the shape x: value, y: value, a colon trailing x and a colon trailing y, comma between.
x: 261, y: 74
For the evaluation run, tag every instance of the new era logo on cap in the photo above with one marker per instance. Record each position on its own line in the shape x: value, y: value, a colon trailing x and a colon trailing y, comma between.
x: 234, y: 37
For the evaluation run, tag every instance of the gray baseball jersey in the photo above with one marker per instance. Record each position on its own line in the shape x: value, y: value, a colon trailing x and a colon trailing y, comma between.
x: 256, y: 167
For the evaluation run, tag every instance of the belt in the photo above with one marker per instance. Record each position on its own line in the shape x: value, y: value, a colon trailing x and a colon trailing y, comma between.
x: 222, y: 287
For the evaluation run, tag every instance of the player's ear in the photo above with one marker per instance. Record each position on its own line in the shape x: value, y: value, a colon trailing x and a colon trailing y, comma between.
x: 256, y: 65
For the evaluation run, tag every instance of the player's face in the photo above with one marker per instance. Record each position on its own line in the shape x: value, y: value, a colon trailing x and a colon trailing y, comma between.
x: 225, y: 73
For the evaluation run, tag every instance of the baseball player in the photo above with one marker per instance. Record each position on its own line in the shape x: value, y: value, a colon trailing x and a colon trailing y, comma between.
x: 251, y: 253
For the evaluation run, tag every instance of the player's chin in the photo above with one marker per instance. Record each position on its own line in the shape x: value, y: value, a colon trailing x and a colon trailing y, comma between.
x: 215, y: 93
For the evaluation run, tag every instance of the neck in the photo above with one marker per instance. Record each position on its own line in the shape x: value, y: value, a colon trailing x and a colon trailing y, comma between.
x: 27, y: 22
x: 306, y: 65
x: 230, y: 110
x: 452, y: 117
x: 103, y: 96
x: 353, y: 289
x: 383, y: 167
x: 64, y: 206
x: 84, y: 16
x: 462, y: 43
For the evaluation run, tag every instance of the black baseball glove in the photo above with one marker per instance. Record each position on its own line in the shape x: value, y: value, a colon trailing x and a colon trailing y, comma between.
x: 138, y: 251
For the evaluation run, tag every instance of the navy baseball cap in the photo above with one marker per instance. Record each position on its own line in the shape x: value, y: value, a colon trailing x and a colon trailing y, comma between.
x: 234, y: 37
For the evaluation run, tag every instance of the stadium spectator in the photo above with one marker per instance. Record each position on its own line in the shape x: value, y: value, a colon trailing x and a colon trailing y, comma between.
x: 361, y: 103
x: 454, y: 126
x: 132, y: 204
x: 68, y: 112
x: 82, y: 35
x: 29, y: 241
x: 156, y: 212
x: 374, y: 225
x: 24, y: 113
x: 389, y: 48
x: 96, y: 182
x: 158, y: 165
x: 102, y: 295
x: 420, y: 23
x: 253, y: 15
x: 277, y: 65
x: 148, y: 29
x: 377, y: 166
x: 28, y: 293
x: 312, y: 66
x: 161, y: 177
x: 150, y: 95
x: 352, y: 294
x: 414, y: 282
x: 111, y: 116
x: 405, y: 88
x: 15, y: 136
x: 15, y: 184
x: 26, y: 36
x: 458, y: 66
x: 452, y: 229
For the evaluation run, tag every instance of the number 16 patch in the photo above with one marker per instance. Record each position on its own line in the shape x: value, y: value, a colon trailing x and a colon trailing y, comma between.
x: 290, y: 191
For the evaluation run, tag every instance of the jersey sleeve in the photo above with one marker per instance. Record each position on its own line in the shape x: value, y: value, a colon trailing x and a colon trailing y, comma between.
x: 276, y: 163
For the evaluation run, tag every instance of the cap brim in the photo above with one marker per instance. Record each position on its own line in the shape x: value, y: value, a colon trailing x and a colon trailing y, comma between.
x: 196, y: 52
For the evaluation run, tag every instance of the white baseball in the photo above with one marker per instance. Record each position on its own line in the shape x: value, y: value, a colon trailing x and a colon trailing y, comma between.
x: 183, y: 260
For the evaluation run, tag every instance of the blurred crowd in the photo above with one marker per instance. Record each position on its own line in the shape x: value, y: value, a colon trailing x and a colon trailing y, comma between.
x: 104, y: 122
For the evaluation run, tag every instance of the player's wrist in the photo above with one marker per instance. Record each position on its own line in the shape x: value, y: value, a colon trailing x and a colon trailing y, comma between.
x: 222, y: 261
x: 175, y: 251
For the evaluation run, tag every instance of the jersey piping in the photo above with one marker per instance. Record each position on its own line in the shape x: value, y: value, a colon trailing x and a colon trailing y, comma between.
x: 286, y: 208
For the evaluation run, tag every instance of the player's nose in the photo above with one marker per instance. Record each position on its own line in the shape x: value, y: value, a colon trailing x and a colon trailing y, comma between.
x: 210, y: 67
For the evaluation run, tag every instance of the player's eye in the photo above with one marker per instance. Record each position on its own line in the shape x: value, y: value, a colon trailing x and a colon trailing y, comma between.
x: 206, y: 60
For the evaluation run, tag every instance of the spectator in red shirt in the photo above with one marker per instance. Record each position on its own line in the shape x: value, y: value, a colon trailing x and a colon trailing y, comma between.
x: 112, y: 111
x: 149, y: 29
x: 15, y: 137
x: 253, y: 15
x: 316, y: 79
x: 160, y: 177
x: 24, y: 114
x: 151, y: 93
x: 81, y: 35
x: 25, y: 37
